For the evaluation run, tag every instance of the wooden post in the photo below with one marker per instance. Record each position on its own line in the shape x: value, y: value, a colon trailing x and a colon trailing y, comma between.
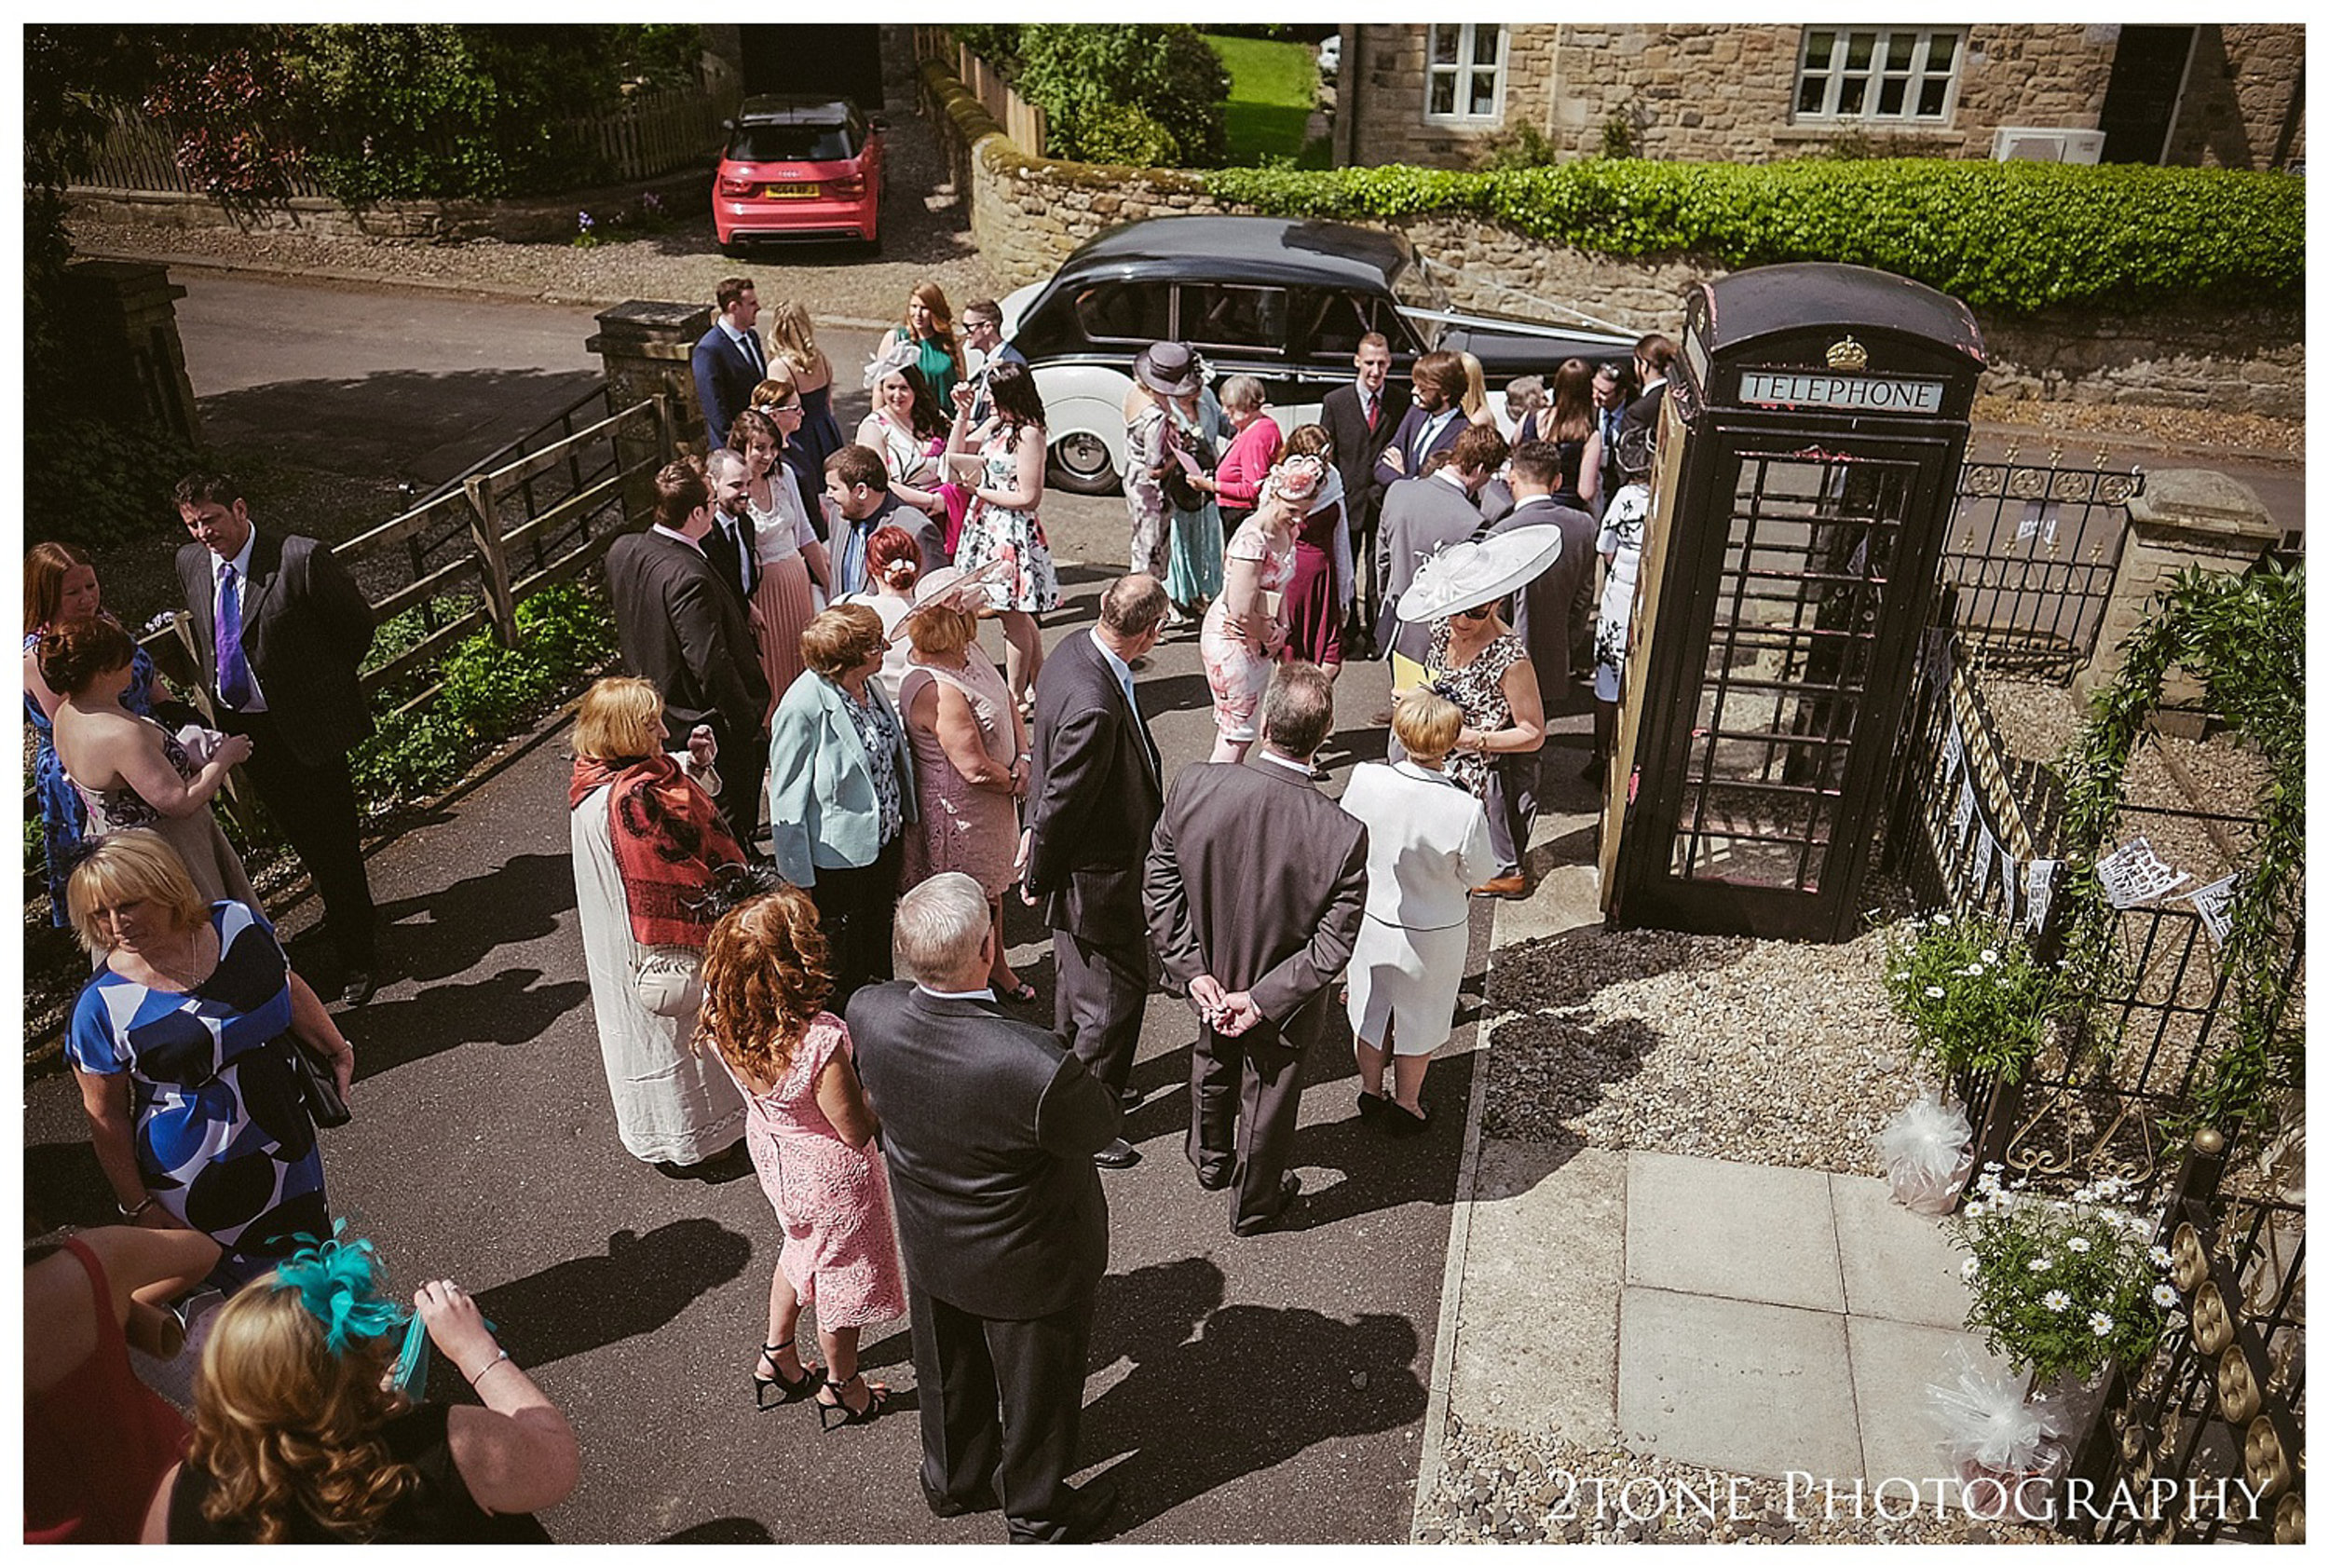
x: 493, y: 561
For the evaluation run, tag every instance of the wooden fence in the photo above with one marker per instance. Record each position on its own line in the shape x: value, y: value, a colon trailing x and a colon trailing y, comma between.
x: 645, y: 136
x: 1022, y: 122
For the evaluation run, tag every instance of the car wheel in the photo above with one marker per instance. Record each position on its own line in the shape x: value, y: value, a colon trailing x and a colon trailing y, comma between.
x: 1080, y: 465
x: 731, y: 248
x: 872, y: 243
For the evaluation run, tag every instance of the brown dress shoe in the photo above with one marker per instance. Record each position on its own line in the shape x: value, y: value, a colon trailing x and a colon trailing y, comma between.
x: 1514, y: 886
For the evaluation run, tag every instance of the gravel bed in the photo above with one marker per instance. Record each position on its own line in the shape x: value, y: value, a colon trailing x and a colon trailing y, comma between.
x: 1778, y: 1053
x: 1503, y: 1486
x: 2172, y: 428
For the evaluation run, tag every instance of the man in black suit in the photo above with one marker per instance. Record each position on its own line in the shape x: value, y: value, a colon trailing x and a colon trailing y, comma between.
x: 1554, y: 616
x: 1653, y: 360
x: 1360, y: 419
x: 989, y: 1125
x: 281, y: 629
x: 1256, y: 886
x: 1419, y: 515
x: 727, y: 361
x: 1093, y: 799
x: 687, y: 635
x: 732, y: 546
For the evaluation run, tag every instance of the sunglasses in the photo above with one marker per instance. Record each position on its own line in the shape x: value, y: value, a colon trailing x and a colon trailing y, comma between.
x: 1481, y: 614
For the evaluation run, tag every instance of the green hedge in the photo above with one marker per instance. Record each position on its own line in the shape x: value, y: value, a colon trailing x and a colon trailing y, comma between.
x: 2002, y: 235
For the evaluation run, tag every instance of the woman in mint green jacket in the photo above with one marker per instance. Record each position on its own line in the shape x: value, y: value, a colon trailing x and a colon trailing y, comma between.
x: 841, y: 791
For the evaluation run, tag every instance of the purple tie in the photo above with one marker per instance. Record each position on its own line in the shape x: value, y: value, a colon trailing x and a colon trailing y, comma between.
x: 234, y: 671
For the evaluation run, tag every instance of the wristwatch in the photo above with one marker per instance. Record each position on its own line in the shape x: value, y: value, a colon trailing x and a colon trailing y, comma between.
x: 143, y: 1204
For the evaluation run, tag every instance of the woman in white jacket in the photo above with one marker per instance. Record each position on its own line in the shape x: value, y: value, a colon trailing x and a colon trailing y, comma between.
x: 1427, y: 846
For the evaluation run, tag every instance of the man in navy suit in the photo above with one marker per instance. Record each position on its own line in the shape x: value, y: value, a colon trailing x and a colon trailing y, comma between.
x: 1432, y: 424
x: 727, y: 361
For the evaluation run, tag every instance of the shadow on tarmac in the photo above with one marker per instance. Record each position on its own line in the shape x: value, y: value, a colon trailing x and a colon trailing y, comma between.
x: 1220, y: 1392
x: 640, y: 1283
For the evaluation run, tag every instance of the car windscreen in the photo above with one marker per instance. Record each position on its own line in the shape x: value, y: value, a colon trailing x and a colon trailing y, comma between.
x: 791, y: 144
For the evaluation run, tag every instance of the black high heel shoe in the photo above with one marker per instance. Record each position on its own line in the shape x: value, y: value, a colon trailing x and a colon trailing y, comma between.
x: 833, y: 1417
x: 791, y: 1389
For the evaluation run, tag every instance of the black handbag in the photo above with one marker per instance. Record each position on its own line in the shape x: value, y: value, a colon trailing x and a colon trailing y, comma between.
x: 318, y: 1091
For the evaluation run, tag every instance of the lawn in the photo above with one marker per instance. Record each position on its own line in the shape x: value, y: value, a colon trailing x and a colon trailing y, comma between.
x: 1272, y: 90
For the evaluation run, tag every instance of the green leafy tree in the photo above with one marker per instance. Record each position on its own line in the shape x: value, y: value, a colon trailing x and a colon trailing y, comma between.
x: 1077, y: 74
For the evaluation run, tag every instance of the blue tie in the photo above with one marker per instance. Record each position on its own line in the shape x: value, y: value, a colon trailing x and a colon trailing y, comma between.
x: 234, y: 671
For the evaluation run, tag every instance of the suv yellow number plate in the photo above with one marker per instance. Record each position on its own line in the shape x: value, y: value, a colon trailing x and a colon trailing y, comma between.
x: 792, y: 193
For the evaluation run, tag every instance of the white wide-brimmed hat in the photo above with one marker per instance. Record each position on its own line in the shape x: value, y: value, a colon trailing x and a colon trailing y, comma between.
x: 956, y: 588
x: 1474, y: 572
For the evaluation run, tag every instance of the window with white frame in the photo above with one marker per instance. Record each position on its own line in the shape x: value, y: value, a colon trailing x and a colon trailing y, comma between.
x: 1464, y: 72
x: 1878, y: 72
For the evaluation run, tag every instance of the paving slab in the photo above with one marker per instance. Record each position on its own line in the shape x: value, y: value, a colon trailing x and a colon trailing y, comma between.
x: 1719, y: 1228
x: 1898, y: 1264
x: 1740, y: 1386
x: 1536, y: 1348
x: 1892, y: 1364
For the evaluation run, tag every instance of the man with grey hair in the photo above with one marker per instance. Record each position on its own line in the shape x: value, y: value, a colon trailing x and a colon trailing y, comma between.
x: 989, y: 1125
x: 1256, y: 886
x: 1091, y: 801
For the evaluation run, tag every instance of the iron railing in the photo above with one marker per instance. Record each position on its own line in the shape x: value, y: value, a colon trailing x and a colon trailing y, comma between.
x: 2032, y: 550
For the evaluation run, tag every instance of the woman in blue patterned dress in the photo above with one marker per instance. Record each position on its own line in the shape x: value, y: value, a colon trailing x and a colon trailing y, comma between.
x: 181, y: 1043
x: 61, y: 585
x: 1002, y: 525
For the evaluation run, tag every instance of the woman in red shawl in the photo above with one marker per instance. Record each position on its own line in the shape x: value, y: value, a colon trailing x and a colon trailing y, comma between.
x: 647, y: 842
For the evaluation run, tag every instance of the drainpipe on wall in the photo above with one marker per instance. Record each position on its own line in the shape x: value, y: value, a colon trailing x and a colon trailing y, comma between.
x: 1346, y: 98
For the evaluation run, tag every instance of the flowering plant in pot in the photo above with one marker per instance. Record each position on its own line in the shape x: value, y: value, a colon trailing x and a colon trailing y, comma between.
x: 1970, y: 989
x: 2061, y: 1287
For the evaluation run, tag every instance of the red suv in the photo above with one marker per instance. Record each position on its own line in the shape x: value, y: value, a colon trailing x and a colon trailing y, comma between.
x: 799, y: 167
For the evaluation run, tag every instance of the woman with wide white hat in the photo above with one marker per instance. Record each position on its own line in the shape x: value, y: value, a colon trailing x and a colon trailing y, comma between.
x: 1477, y: 662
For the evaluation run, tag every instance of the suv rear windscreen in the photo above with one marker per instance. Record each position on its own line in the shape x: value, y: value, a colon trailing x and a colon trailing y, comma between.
x: 791, y: 144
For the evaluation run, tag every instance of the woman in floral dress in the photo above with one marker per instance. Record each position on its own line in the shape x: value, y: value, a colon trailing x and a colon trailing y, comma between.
x: 1002, y: 525
x: 1482, y: 666
x: 811, y: 1137
x: 1245, y: 630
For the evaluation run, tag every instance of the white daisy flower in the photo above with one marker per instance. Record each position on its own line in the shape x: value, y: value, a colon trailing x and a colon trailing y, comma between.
x: 1966, y: 1270
x: 1942, y: 921
x: 2056, y: 1301
x: 1935, y: 992
x: 2164, y: 1295
x: 2101, y: 1323
x: 2162, y: 1258
x: 2080, y: 1244
x: 1974, y: 1208
x: 2040, y: 1263
x: 1989, y: 955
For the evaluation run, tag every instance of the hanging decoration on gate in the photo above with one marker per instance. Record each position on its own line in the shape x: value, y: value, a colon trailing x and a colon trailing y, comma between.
x: 1952, y: 753
x: 1984, y: 851
x: 2133, y: 874
x: 1962, y: 818
x: 2009, y: 875
x: 2215, y: 904
x: 2042, y: 876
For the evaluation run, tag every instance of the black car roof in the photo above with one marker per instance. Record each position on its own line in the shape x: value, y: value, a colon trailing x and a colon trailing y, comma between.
x: 1246, y: 249
x: 793, y: 108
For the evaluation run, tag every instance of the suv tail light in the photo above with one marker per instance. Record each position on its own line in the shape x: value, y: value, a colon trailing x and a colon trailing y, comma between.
x: 737, y: 186
x: 849, y: 188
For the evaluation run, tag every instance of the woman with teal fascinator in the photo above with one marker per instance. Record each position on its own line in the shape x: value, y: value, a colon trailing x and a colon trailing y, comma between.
x: 309, y: 1422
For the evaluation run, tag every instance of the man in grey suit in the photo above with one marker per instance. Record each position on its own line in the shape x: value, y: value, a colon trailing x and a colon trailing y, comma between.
x: 280, y: 631
x: 1092, y: 797
x: 1420, y: 514
x: 1555, y: 613
x: 1256, y: 887
x: 988, y: 1124
x: 682, y: 629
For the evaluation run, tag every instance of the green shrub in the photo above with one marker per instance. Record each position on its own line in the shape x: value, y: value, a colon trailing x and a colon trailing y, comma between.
x: 996, y: 43
x: 2003, y: 236
x: 2061, y: 1287
x: 1123, y: 133
x: 1074, y: 72
x: 1971, y: 992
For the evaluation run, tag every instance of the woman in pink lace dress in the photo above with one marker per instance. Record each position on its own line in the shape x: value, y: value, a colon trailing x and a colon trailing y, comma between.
x: 1244, y: 630
x: 810, y: 1134
x: 971, y: 761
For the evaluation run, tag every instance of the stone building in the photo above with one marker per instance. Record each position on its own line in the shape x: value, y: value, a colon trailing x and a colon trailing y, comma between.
x: 1446, y: 94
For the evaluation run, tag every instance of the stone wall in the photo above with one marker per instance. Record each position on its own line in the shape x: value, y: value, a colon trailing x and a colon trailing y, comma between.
x: 1713, y: 91
x: 2245, y: 90
x: 1027, y: 213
